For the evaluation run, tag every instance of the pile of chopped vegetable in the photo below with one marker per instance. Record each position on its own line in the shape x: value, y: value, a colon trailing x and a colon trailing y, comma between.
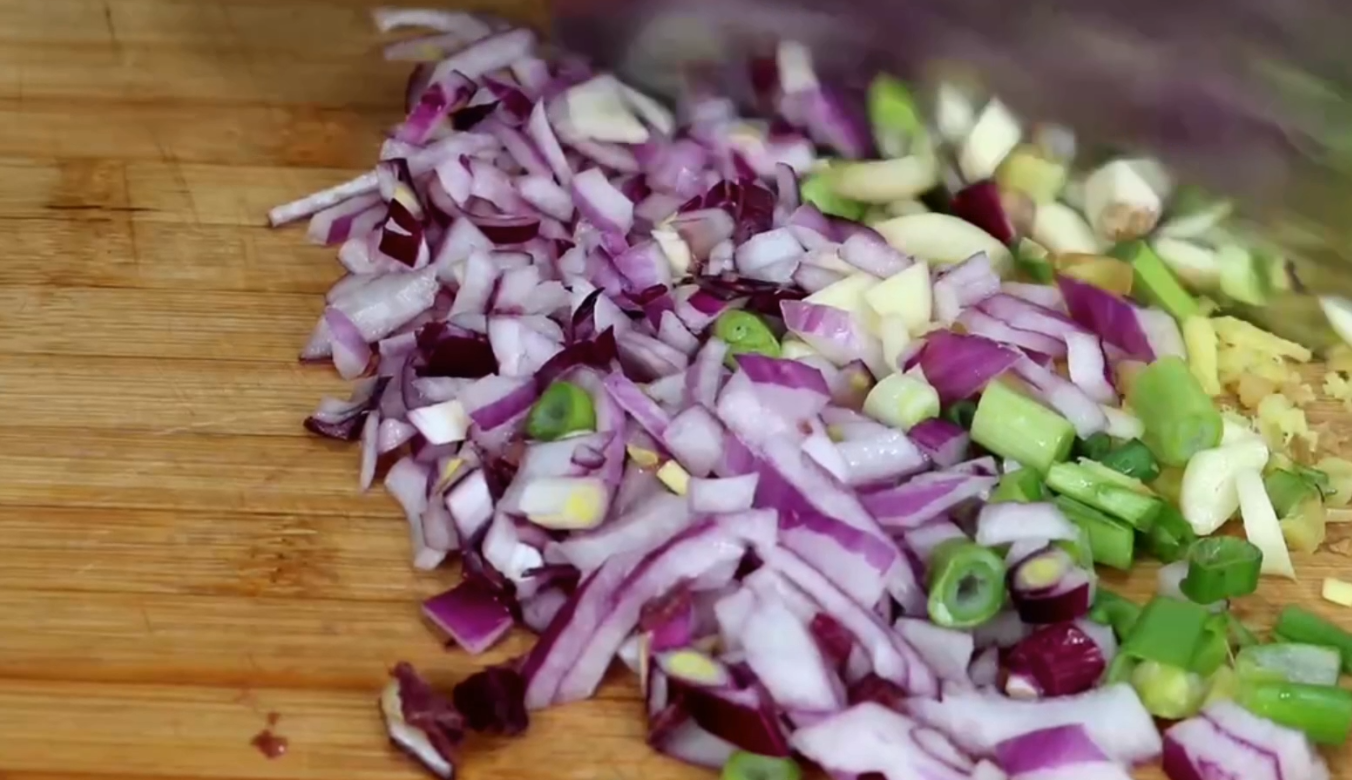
x: 821, y: 426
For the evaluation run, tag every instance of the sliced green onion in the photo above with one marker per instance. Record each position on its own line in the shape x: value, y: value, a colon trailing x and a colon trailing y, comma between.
x: 1110, y: 540
x: 1119, y: 670
x: 751, y: 766
x: 966, y: 584
x: 1323, y: 712
x: 1085, y: 485
x: 961, y: 413
x: 1287, y: 489
x: 1221, y: 567
x: 902, y: 401
x: 1134, y: 459
x: 893, y: 116
x: 1118, y: 612
x: 1179, y: 418
x: 1168, y: 691
x: 1289, y: 662
x: 1320, y: 479
x: 1169, y: 631
x: 745, y: 333
x: 1078, y: 548
x: 1295, y: 624
x: 1224, y: 683
x: 1034, y: 260
x: 1018, y: 428
x: 1240, y: 635
x: 1155, y: 283
x: 1094, y: 447
x: 1214, y: 649
x: 563, y: 408
x: 1169, y: 536
x: 1024, y: 486
x: 819, y: 190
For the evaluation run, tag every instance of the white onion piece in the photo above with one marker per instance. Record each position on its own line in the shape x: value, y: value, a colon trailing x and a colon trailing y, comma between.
x: 885, y: 181
x: 1261, y: 525
x: 1088, y: 367
x: 442, y: 423
x: 993, y: 136
x: 1062, y: 230
x: 729, y: 494
x: 599, y: 109
x: 942, y: 238
x: 1113, y: 716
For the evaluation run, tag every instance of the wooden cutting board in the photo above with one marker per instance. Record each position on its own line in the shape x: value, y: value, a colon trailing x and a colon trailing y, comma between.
x: 180, y: 565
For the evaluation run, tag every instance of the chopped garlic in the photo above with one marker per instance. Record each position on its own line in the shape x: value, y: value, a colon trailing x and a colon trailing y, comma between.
x: 643, y: 458
x: 694, y: 665
x: 1261, y: 525
x: 674, y: 477
x: 1337, y: 591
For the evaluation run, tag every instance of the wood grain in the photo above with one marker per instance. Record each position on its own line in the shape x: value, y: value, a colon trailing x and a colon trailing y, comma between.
x: 178, y: 558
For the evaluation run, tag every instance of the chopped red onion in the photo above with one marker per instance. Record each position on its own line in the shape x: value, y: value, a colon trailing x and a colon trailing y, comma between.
x: 785, y: 658
x: 1060, y: 751
x: 978, y: 323
x: 1112, y: 716
x: 1048, y: 587
x: 945, y: 650
x: 693, y: 552
x: 1065, y: 397
x: 959, y: 366
x: 728, y: 494
x: 471, y: 614
x: 869, y: 738
x: 885, y: 457
x: 1055, y: 660
x: 833, y: 333
x: 1111, y: 318
x: 922, y: 539
x: 912, y: 503
x: 965, y: 284
x: 1226, y: 740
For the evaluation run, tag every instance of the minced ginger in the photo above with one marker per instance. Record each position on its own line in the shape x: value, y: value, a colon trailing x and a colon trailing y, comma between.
x: 1258, y: 369
x: 1280, y: 421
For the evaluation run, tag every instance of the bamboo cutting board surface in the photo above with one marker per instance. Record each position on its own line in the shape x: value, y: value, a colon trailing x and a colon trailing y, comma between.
x: 179, y: 563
